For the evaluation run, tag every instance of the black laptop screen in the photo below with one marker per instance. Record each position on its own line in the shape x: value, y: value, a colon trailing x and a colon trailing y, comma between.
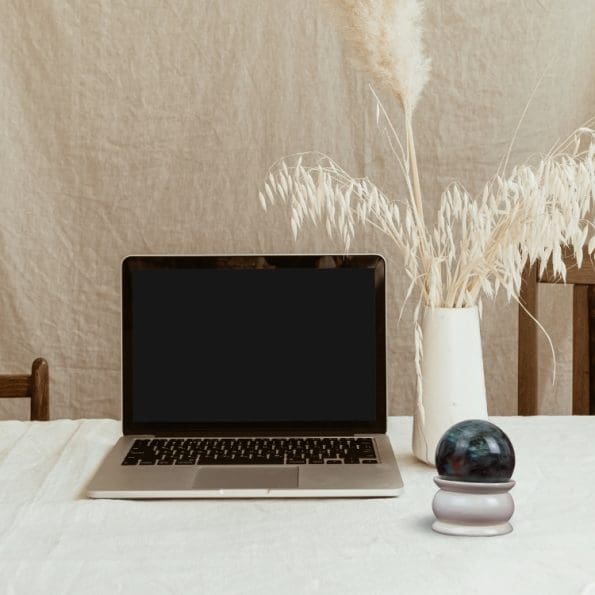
x: 253, y: 346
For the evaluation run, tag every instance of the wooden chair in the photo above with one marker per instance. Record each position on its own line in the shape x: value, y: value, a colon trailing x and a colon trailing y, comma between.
x: 36, y: 387
x: 583, y: 340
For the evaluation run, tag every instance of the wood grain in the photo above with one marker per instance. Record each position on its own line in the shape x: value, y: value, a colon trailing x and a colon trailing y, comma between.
x: 36, y: 387
x: 580, y: 350
x: 591, y: 347
x: 527, y: 353
x: 574, y: 276
x: 15, y: 386
x: 40, y: 390
x: 583, y: 323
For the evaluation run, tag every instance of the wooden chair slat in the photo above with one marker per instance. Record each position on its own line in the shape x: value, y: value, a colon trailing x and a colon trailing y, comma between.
x: 40, y: 393
x: 36, y: 387
x: 574, y: 276
x: 580, y: 350
x: 592, y: 347
x: 582, y: 276
x: 527, y: 359
x: 15, y: 386
x: 583, y: 321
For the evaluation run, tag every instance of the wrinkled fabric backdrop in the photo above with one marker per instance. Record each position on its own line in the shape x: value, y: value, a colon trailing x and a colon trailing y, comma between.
x: 143, y: 126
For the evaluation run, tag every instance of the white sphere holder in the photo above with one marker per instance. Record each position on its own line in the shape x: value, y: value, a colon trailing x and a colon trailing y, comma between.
x: 472, y: 508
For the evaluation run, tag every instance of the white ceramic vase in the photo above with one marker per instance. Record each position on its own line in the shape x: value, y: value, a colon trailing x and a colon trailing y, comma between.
x: 453, y: 385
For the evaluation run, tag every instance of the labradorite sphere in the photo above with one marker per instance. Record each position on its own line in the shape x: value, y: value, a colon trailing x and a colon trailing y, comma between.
x: 475, y: 450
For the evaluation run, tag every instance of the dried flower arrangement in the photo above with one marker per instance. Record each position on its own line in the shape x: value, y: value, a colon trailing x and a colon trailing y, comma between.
x: 475, y: 246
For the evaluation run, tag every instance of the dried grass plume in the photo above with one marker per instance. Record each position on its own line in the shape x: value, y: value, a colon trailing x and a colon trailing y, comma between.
x: 386, y: 37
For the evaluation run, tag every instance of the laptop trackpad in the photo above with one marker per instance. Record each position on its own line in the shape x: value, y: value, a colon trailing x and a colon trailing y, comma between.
x: 216, y: 478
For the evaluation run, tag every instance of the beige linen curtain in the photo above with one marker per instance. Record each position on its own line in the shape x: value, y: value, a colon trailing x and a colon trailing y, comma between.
x: 132, y: 126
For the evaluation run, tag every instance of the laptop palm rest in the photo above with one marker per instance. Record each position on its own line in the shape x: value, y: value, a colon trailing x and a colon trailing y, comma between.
x: 213, y: 478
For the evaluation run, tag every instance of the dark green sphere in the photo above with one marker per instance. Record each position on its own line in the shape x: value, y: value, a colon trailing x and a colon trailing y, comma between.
x: 475, y: 450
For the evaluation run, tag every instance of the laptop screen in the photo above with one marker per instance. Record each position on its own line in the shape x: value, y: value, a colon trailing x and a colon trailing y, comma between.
x: 253, y: 342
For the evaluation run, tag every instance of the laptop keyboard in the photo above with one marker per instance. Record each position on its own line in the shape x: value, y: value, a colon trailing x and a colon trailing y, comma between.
x: 251, y: 451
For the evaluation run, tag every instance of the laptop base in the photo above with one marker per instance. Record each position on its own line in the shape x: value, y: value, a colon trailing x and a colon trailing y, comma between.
x: 114, y: 480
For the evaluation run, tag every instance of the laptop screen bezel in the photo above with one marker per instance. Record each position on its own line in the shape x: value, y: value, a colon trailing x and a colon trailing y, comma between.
x: 369, y: 261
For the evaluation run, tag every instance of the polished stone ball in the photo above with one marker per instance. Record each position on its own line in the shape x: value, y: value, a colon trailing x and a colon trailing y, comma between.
x: 475, y: 450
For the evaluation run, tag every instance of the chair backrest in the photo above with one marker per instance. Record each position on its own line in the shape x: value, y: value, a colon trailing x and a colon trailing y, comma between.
x: 583, y: 322
x: 36, y: 387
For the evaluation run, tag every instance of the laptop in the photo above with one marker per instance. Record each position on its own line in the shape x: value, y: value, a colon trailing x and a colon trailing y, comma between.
x: 252, y: 376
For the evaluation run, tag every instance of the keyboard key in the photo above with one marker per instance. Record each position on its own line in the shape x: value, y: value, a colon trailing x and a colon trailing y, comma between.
x: 251, y: 451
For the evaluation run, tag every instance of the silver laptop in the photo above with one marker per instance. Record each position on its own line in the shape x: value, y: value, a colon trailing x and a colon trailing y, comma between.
x: 252, y: 376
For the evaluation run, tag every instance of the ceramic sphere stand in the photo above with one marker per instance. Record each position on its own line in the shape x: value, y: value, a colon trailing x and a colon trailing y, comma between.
x: 472, y: 508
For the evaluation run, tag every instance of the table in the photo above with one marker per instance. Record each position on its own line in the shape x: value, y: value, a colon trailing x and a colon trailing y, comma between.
x: 54, y: 540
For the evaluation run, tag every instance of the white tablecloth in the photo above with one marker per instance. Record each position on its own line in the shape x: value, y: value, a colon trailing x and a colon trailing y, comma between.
x: 54, y: 540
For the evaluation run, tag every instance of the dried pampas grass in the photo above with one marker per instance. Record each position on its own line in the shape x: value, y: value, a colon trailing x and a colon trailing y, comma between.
x: 386, y: 39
